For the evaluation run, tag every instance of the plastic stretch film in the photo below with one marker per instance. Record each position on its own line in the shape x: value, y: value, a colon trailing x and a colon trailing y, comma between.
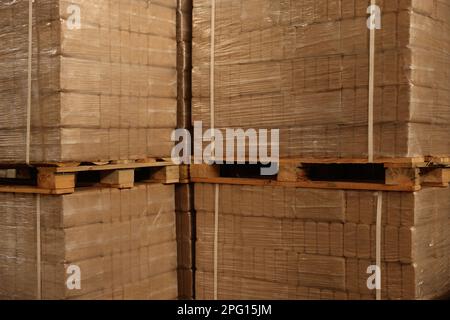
x: 185, y: 240
x: 184, y: 193
x: 285, y: 243
x: 303, y: 67
x: 104, y: 80
x: 184, y: 29
x: 122, y: 241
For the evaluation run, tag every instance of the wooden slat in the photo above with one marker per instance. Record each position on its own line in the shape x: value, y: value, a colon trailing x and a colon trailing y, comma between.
x: 34, y: 190
x: 58, y: 164
x: 308, y: 184
x: 388, y: 161
x: 135, y: 165
x: 122, y: 162
x: 440, y: 160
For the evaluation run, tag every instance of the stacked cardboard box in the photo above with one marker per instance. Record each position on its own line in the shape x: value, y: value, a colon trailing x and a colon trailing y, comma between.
x: 104, y: 80
x: 185, y: 240
x: 286, y: 243
x: 303, y: 67
x: 184, y: 192
x: 103, y: 88
x: 123, y: 241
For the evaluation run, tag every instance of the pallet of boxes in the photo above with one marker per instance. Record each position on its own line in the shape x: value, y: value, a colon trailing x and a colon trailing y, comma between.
x: 184, y: 191
x: 88, y: 99
x: 364, y: 169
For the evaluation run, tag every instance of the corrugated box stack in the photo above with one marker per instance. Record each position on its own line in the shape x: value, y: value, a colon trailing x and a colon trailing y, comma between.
x: 286, y: 243
x: 303, y: 67
x: 123, y: 241
x: 104, y: 80
x: 103, y: 94
x: 186, y: 240
x: 184, y: 65
x: 184, y: 192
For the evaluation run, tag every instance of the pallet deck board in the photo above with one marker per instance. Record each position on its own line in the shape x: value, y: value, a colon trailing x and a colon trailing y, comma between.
x: 109, y: 167
x: 386, y: 161
x: 34, y: 190
x: 308, y: 184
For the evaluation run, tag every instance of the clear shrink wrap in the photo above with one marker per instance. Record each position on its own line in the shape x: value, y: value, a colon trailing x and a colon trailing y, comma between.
x: 286, y: 243
x: 303, y: 67
x: 103, y: 80
x: 123, y: 243
x: 185, y: 240
x: 184, y: 203
x: 184, y: 37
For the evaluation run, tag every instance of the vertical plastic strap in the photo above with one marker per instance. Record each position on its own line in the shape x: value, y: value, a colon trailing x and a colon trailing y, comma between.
x: 212, y: 74
x: 30, y: 60
x: 216, y: 240
x: 371, y: 89
x: 379, y: 236
x: 213, y: 124
x: 38, y: 247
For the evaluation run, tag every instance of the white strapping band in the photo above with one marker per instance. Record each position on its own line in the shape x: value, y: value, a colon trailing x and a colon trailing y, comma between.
x: 38, y: 247
x: 212, y: 71
x: 216, y: 240
x: 378, y: 236
x: 213, y: 124
x: 30, y: 60
x: 371, y: 88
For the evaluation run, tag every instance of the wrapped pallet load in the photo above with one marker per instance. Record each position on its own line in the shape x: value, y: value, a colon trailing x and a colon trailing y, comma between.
x: 310, y: 69
x: 286, y: 243
x: 93, y: 244
x: 184, y: 38
x: 87, y: 80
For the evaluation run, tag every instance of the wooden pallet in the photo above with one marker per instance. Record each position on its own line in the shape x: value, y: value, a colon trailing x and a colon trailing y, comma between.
x: 405, y: 174
x: 63, y: 178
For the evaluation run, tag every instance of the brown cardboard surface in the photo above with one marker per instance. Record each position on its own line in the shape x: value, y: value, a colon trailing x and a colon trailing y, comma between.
x: 123, y: 241
x: 303, y: 67
x: 104, y: 91
x: 284, y: 250
x: 185, y: 217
